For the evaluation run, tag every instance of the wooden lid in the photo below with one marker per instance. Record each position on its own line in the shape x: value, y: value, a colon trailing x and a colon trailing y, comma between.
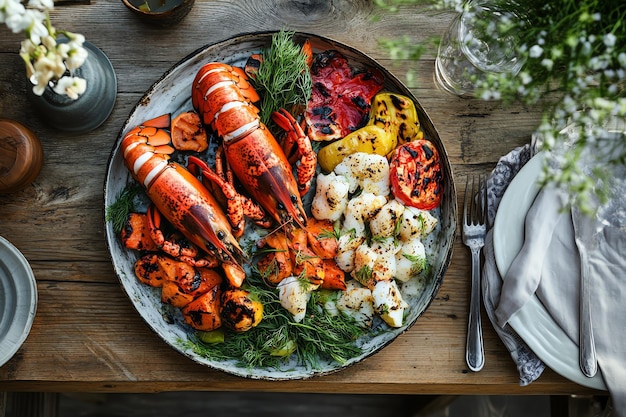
x: 21, y: 156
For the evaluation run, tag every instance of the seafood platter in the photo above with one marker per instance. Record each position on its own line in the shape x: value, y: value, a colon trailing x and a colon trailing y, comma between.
x: 279, y: 206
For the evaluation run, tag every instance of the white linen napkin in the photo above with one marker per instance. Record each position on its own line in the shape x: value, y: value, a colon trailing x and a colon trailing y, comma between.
x: 548, y: 265
x: 528, y: 364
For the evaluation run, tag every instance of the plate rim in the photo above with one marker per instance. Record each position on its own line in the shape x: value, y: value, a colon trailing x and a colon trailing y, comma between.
x: 533, y: 321
x: 26, y: 282
x: 448, y: 233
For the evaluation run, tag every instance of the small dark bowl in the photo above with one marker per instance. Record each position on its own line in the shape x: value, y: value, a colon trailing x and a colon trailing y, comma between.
x: 168, y: 14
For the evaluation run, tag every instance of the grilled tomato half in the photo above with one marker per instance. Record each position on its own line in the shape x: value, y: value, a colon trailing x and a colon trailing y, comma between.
x: 415, y: 174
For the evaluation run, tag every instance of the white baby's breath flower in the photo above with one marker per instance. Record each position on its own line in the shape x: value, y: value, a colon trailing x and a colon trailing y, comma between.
x: 609, y: 40
x: 535, y: 51
x: 547, y: 63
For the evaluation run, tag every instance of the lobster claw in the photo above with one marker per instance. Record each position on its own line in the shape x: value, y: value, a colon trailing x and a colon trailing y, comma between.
x: 298, y: 140
x: 262, y: 168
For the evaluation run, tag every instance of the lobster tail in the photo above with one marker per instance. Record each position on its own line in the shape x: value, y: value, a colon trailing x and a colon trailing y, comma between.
x: 178, y: 195
x: 224, y: 98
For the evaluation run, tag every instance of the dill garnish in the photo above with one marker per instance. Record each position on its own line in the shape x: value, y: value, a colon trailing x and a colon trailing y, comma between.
x: 124, y: 204
x: 283, y: 79
x: 318, y: 337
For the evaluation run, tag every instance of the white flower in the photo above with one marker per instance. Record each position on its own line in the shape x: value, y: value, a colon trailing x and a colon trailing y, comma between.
x: 46, y: 61
x: 609, y: 40
x: 71, y: 86
x: 41, y: 4
x: 535, y: 51
x: 548, y: 63
x: 10, y: 8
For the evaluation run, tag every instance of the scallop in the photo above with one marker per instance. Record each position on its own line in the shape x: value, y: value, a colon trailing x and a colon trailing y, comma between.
x: 388, y: 302
x: 416, y: 223
x: 370, y: 172
x: 357, y: 302
x: 294, y: 296
x: 361, y: 210
x: 410, y: 260
x: 385, y: 223
x: 331, y: 197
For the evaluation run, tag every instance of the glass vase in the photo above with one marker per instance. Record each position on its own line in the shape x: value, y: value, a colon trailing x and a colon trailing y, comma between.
x: 474, y: 46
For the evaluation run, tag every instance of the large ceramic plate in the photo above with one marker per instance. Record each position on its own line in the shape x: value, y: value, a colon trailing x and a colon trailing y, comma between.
x: 533, y: 322
x: 18, y: 299
x: 171, y: 93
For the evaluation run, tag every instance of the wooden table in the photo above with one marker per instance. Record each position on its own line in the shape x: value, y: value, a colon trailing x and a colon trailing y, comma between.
x: 87, y: 336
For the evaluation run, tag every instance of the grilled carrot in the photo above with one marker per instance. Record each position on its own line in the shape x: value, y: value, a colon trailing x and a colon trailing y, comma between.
x: 149, y: 271
x: 334, y: 277
x: 203, y: 313
x: 136, y: 233
x: 321, y: 238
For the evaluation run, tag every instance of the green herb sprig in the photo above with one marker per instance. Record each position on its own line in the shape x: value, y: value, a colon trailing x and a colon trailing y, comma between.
x: 117, y: 212
x: 283, y: 79
x: 318, y: 337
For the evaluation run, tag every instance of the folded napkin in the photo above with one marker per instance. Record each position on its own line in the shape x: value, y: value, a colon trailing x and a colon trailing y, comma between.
x: 548, y: 266
x: 528, y: 364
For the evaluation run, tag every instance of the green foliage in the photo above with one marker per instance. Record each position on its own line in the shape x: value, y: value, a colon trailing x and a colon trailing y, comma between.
x: 283, y: 79
x: 319, y: 336
x: 117, y: 212
x: 574, y: 54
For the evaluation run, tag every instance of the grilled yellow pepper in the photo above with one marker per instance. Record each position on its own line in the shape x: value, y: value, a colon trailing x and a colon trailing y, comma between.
x: 392, y: 121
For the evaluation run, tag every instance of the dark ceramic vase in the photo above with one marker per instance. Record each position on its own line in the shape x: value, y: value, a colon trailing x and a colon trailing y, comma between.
x: 91, y: 108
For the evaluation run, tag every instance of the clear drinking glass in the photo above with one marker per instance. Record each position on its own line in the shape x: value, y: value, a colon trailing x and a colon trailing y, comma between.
x: 474, y: 46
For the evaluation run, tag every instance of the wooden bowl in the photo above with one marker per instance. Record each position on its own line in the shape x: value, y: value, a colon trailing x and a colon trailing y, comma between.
x: 160, y: 12
x: 21, y: 156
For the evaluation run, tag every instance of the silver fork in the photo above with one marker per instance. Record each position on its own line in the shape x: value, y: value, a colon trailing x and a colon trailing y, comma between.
x: 474, y: 230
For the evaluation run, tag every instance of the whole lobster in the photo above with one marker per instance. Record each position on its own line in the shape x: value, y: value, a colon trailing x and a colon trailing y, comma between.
x: 224, y: 98
x: 180, y: 197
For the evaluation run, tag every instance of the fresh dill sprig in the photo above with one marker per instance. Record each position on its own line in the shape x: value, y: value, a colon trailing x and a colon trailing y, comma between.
x: 124, y: 204
x: 283, y: 79
x: 318, y: 337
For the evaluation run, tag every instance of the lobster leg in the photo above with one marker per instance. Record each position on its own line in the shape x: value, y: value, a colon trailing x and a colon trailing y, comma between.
x: 308, y: 158
x: 238, y: 206
x: 250, y: 208
x: 186, y: 252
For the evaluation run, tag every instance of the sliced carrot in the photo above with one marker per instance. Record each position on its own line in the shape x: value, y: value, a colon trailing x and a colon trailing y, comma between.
x: 308, y: 264
x: 334, y: 277
x: 188, y: 133
x: 136, y: 233
x: 171, y: 293
x: 234, y: 274
x: 298, y: 238
x: 203, y: 313
x: 275, y: 266
x: 149, y: 271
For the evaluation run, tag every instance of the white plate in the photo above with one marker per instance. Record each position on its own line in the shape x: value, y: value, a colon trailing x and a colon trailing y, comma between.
x: 18, y: 299
x: 533, y: 322
x: 171, y: 94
